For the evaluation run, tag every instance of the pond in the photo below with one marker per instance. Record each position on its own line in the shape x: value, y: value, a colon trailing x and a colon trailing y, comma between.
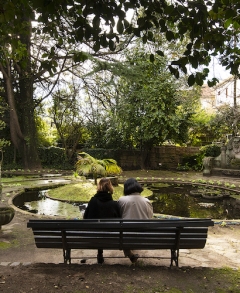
x: 170, y: 200
x: 195, y: 202
x: 36, y: 202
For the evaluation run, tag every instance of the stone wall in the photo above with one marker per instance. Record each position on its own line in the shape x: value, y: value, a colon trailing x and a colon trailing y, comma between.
x: 162, y: 157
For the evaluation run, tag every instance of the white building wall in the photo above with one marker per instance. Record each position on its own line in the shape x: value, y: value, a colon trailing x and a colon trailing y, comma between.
x: 224, y: 92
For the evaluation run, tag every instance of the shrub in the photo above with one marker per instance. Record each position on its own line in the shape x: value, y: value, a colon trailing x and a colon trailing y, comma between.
x: 194, y: 162
x: 210, y: 150
x: 53, y: 157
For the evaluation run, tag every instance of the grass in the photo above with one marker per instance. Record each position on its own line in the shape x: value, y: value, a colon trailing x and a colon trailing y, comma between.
x: 83, y: 191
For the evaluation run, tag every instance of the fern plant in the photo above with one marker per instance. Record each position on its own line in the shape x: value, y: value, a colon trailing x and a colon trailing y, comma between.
x: 87, y: 165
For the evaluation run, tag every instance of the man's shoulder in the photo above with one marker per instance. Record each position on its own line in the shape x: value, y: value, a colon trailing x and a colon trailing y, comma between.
x: 124, y: 199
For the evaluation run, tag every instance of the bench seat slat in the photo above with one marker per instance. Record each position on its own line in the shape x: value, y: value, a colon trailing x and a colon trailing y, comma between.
x: 133, y: 242
x: 184, y: 231
x: 136, y: 237
x: 116, y: 246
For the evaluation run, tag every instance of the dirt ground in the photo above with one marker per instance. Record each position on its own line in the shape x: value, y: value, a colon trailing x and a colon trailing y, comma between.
x: 25, y: 268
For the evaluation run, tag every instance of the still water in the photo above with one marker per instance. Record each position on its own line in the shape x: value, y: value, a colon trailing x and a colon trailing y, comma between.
x: 171, y: 200
x: 205, y: 203
x: 36, y: 202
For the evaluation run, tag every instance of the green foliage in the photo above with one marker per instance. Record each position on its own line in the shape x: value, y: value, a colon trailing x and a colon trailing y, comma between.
x: 27, y: 65
x: 112, y: 167
x: 226, y: 121
x: 67, y: 117
x: 99, y: 153
x: 202, y: 130
x: 82, y: 192
x: 214, y: 24
x: 3, y: 142
x: 87, y: 165
x: 148, y: 103
x: 148, y: 109
x: 46, y: 135
x: 210, y: 150
x: 194, y: 162
x: 12, y: 160
x: 191, y: 162
x: 53, y: 157
x: 183, y: 167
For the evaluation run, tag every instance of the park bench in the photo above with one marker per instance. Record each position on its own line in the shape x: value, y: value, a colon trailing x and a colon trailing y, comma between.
x: 120, y: 234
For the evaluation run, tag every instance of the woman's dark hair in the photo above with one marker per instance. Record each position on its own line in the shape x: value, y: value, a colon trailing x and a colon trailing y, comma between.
x: 105, y: 184
x: 132, y: 186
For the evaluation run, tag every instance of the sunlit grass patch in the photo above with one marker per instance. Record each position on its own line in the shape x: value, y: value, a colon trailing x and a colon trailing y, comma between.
x: 83, y: 191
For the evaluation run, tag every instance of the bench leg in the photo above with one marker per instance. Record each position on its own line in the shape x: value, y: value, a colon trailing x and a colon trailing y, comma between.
x: 174, y: 256
x: 67, y: 256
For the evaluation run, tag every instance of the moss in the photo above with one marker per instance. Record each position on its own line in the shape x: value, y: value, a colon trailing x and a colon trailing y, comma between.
x: 160, y: 184
x: 6, y: 245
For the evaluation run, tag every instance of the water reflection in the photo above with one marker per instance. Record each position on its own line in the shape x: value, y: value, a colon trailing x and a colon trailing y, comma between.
x: 36, y: 202
x: 232, y: 206
x: 178, y: 201
x: 173, y: 200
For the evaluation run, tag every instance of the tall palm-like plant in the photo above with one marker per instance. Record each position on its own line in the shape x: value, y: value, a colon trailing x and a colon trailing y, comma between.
x: 87, y: 165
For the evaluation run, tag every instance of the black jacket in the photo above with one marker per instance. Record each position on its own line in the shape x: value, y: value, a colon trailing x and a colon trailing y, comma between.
x: 102, y: 206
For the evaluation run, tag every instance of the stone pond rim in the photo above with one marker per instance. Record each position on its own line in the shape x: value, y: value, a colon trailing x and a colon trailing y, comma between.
x: 6, y: 215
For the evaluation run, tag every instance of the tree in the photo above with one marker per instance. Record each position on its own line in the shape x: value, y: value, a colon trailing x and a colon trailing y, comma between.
x: 138, y: 104
x: 67, y: 117
x: 25, y: 64
x: 226, y: 121
x: 151, y: 108
x: 202, y: 130
x: 66, y: 33
x: 209, y: 25
x: 35, y: 57
x: 46, y: 135
x: 13, y: 62
x: 143, y: 105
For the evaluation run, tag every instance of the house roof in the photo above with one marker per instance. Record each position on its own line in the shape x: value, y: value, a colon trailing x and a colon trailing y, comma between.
x: 207, y: 92
x: 224, y: 82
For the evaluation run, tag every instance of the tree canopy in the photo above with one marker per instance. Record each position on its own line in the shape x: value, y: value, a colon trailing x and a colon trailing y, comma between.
x: 139, y: 104
x: 211, y: 26
x: 41, y: 40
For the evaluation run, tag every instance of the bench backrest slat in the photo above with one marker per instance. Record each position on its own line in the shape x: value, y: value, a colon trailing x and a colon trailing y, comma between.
x: 119, y: 234
x: 117, y: 224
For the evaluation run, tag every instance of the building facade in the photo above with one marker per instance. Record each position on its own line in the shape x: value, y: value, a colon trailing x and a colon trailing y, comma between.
x: 222, y: 94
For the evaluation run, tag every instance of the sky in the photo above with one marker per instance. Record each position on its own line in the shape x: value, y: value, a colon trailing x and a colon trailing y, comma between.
x: 217, y: 71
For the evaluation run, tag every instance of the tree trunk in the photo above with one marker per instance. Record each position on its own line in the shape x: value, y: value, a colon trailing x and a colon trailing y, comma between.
x: 1, y: 159
x: 95, y: 178
x: 21, y: 105
x: 145, y: 158
x: 26, y: 107
x: 27, y: 121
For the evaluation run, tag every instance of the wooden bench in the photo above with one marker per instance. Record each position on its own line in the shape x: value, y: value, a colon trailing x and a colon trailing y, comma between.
x: 112, y: 234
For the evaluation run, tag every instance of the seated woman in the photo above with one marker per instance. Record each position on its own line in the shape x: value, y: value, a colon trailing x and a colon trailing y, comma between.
x: 102, y: 206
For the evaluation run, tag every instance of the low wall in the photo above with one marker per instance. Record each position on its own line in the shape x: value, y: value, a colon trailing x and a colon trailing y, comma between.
x: 160, y: 157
